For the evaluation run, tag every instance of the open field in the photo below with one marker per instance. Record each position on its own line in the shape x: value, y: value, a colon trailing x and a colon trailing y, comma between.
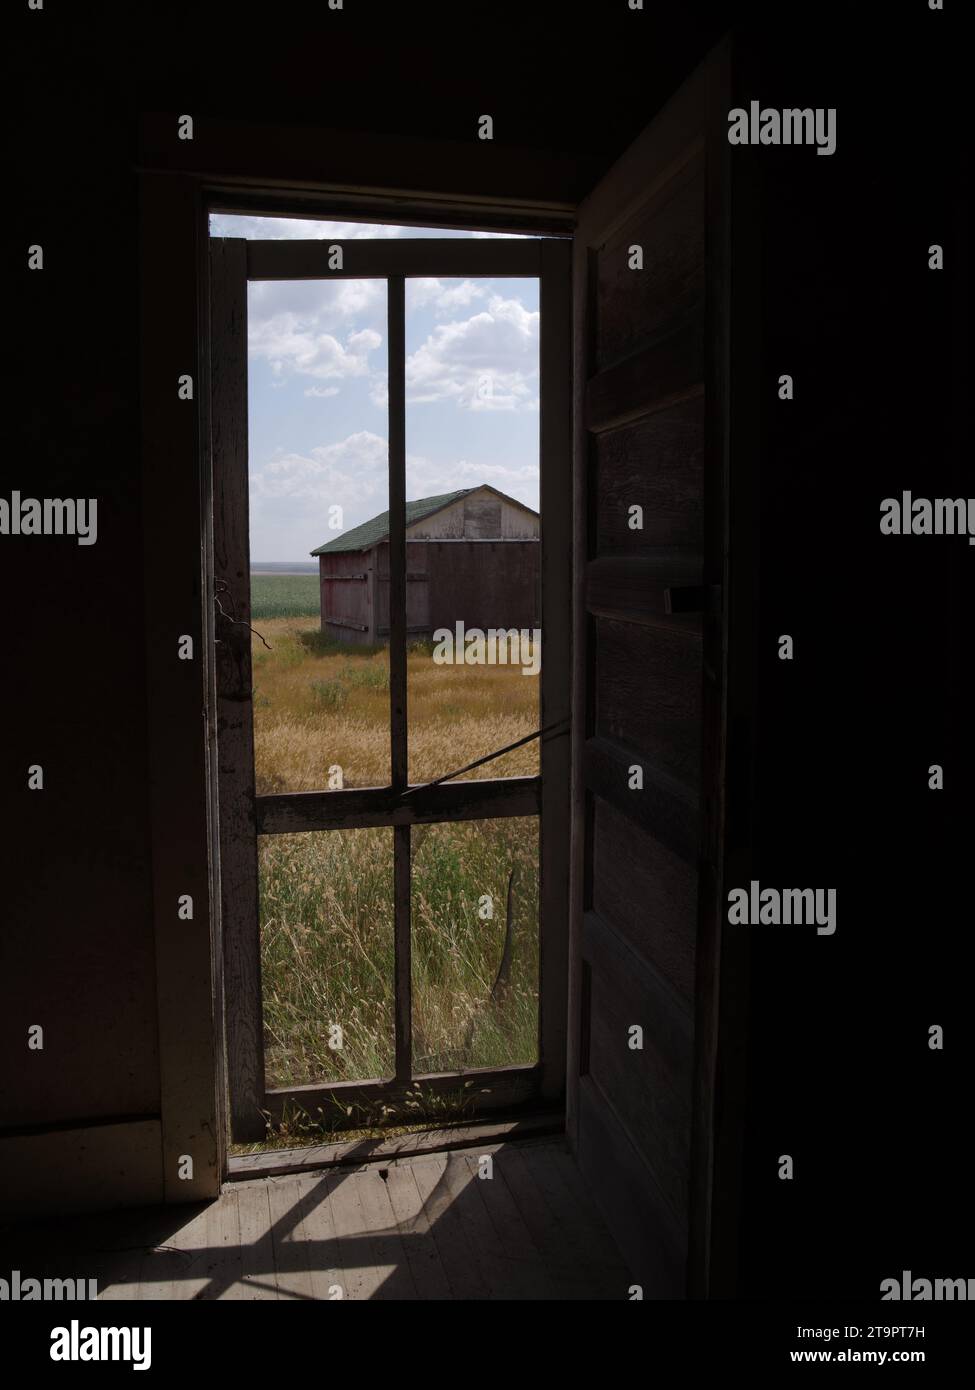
x: 284, y: 596
x: 319, y: 704
x: 326, y: 898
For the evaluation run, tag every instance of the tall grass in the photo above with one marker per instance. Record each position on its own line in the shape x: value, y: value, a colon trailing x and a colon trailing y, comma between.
x: 460, y: 872
x: 327, y: 898
x: 327, y: 950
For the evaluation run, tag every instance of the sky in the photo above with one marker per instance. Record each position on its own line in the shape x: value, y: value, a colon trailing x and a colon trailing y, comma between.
x: 317, y: 414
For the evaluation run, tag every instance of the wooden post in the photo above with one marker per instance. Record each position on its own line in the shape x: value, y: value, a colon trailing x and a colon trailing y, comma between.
x: 235, y: 722
x: 177, y: 691
x: 555, y: 453
x: 396, y: 313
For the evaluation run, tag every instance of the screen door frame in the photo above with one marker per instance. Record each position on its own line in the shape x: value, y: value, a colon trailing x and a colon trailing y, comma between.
x: 242, y: 815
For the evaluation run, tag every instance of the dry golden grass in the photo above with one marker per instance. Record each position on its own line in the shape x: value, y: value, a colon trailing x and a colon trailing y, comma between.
x: 326, y: 898
x: 318, y: 705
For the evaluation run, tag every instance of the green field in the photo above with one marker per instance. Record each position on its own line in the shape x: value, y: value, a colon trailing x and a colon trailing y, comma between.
x: 284, y: 596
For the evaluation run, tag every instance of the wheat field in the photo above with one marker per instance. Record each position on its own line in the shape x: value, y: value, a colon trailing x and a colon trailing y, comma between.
x: 326, y: 897
x: 320, y: 704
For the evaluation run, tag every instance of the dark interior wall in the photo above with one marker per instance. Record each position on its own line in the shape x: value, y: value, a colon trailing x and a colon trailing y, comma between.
x: 77, y: 943
x: 842, y: 1077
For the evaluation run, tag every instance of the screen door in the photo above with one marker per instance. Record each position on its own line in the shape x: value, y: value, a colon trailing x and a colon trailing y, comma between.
x: 351, y: 907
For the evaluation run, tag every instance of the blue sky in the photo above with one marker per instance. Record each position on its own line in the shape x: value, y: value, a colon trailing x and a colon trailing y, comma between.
x: 317, y: 390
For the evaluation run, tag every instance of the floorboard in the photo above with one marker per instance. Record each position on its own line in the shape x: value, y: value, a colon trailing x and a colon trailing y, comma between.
x: 526, y: 1274
x: 419, y: 1227
x: 426, y: 1266
x: 258, y: 1273
x: 325, y: 1251
x: 291, y: 1256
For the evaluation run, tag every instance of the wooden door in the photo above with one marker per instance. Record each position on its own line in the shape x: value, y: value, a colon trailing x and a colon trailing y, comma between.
x: 654, y: 696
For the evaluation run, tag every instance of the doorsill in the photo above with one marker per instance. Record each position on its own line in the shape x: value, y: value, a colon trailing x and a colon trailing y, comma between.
x: 353, y: 1153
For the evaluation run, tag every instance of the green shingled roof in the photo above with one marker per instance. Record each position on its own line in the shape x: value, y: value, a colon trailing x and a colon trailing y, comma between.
x: 370, y: 532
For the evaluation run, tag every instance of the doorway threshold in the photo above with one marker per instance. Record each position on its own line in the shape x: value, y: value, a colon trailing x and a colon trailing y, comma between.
x: 353, y: 1153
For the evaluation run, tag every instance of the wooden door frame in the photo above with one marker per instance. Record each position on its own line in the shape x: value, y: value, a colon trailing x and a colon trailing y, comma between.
x: 239, y: 168
x: 242, y: 816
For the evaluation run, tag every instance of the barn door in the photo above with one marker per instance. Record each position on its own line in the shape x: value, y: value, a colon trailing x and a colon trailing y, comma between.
x: 654, y: 698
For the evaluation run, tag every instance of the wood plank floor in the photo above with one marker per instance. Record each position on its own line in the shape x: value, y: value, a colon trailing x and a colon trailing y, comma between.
x: 424, y: 1227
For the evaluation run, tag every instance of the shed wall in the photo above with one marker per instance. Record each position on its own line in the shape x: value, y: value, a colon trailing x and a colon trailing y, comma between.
x: 480, y: 583
x: 346, y: 585
x: 484, y: 583
x: 480, y: 516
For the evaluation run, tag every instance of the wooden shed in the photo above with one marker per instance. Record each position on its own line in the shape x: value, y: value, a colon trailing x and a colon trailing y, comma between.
x: 472, y: 557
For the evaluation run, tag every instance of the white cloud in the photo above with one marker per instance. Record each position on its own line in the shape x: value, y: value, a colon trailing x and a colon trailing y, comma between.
x: 444, y: 299
x: 350, y: 467
x: 519, y: 236
x: 365, y: 340
x: 321, y: 329
x: 224, y: 224
x: 291, y: 493
x: 323, y: 391
x: 322, y: 303
x: 486, y: 362
x: 424, y: 478
x: 291, y: 344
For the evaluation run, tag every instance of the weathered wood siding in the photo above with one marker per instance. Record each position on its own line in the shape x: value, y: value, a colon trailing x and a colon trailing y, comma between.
x: 480, y: 583
x: 347, y: 595
x: 482, y: 515
x: 484, y: 584
x: 417, y: 593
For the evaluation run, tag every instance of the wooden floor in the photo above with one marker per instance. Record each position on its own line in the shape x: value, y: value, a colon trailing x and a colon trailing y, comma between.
x: 423, y: 1227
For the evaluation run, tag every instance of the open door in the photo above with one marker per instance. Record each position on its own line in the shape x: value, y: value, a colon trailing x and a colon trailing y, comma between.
x: 663, y: 663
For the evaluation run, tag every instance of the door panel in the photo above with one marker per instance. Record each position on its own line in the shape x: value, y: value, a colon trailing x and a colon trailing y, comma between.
x: 669, y: 494
x: 629, y: 862
x: 631, y: 309
x: 650, y: 695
